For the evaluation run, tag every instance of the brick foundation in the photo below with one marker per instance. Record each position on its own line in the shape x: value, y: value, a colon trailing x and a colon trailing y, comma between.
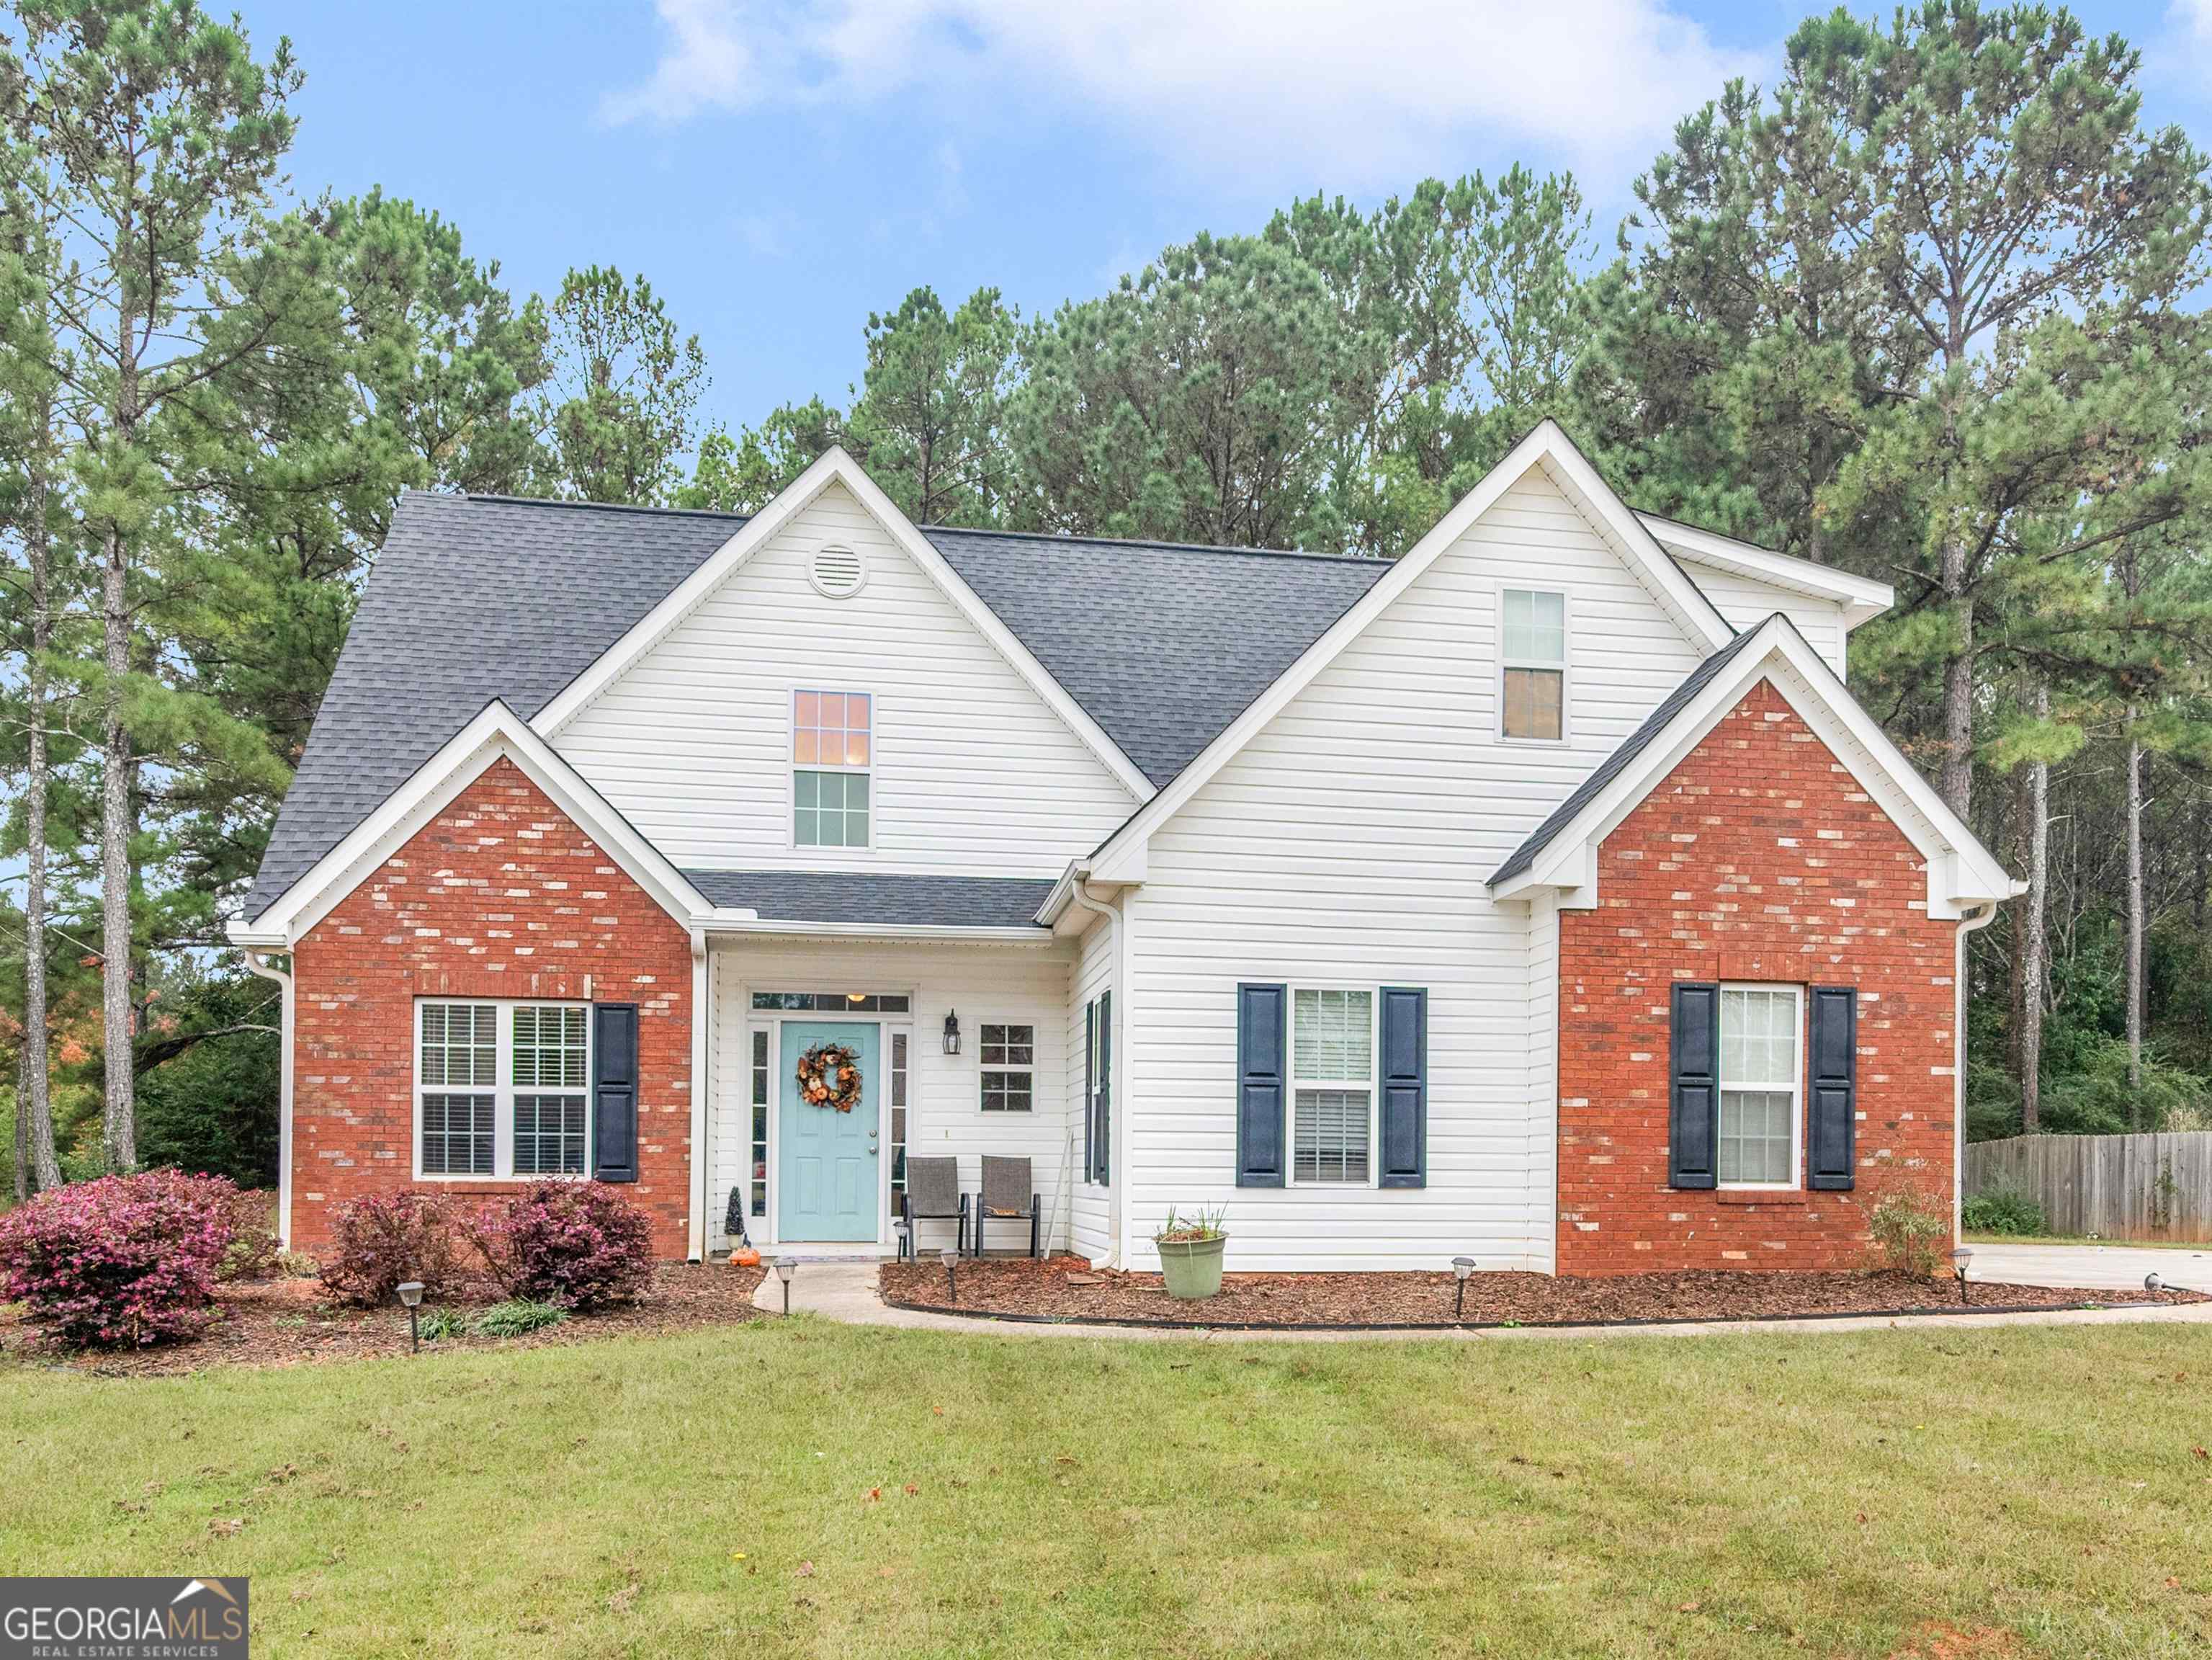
x: 1759, y: 858
x: 501, y: 896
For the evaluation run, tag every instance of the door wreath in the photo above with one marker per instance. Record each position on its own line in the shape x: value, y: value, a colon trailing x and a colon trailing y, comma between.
x: 830, y: 1076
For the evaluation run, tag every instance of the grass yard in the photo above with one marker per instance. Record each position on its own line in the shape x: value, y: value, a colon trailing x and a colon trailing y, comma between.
x: 2020, y: 1493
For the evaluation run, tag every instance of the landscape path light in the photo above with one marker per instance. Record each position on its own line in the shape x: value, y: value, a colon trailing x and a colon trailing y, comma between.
x: 1462, y: 1266
x: 950, y: 1257
x: 410, y: 1295
x: 1961, y: 1260
x: 785, y: 1268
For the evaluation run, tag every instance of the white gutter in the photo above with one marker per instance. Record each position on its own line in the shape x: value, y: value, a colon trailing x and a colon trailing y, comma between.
x: 750, y: 923
x: 1078, y: 881
x: 1979, y: 918
x: 258, y: 961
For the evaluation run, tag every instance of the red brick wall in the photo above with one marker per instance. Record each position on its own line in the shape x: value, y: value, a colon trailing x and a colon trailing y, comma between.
x: 501, y: 896
x: 1759, y: 858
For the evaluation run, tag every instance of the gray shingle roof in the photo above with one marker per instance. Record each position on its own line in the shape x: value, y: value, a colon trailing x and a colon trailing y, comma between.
x: 1614, y: 764
x: 481, y: 597
x: 876, y: 897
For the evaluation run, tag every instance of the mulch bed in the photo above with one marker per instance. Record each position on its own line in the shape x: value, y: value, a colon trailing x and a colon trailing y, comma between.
x: 1064, y: 1289
x: 283, y: 1322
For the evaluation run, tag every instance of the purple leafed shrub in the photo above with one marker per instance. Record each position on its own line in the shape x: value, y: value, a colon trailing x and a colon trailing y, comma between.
x: 378, y: 1242
x: 577, y: 1244
x: 122, y: 1261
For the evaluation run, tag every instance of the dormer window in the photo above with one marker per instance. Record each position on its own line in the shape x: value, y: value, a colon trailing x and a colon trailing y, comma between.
x: 832, y: 748
x: 1533, y: 665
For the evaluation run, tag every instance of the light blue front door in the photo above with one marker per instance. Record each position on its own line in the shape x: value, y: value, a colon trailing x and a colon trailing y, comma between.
x: 826, y: 1169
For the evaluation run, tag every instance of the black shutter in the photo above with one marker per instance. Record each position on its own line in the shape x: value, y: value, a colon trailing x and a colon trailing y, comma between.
x: 1260, y: 1012
x: 1693, y: 1098
x: 1404, y: 1088
x: 614, y: 1092
x: 1105, y: 1142
x: 1831, y: 1090
x: 1091, y: 1090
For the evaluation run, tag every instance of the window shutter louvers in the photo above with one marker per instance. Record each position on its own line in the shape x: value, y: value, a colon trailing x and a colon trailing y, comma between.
x: 1091, y: 1090
x: 1694, y: 1095
x: 1259, y: 1036
x: 1831, y: 1090
x: 1405, y: 1134
x: 1100, y: 1108
x: 614, y: 1092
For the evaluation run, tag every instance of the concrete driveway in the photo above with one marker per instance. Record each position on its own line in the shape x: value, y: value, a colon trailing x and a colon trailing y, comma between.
x: 2096, y: 1266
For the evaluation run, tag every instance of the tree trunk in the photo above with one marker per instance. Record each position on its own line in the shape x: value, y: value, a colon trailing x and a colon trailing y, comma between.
x: 2135, y: 916
x: 118, y: 1131
x: 2034, y: 973
x: 35, y: 1118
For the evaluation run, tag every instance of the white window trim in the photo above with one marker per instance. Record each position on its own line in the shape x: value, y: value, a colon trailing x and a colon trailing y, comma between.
x: 1566, y: 666
x: 1796, y: 1090
x: 1293, y: 1083
x: 502, y: 1089
x: 1036, y: 1023
x: 791, y: 768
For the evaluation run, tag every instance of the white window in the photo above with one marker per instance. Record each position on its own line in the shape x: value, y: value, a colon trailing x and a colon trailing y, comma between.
x: 1009, y: 1060
x: 1532, y: 699
x: 832, y: 748
x: 503, y: 1088
x: 1332, y: 1085
x: 1760, y: 1086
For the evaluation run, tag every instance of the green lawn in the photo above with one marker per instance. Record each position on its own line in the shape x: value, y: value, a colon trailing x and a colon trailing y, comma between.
x: 1827, y: 1495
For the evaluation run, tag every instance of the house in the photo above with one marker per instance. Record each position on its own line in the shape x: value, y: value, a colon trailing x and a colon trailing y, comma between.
x: 1542, y: 896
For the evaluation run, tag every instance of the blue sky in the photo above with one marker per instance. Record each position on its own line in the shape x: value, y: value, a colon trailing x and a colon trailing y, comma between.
x: 781, y: 168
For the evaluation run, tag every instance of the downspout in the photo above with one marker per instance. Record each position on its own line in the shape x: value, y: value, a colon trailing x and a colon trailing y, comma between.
x: 1080, y: 894
x: 703, y: 1006
x: 1980, y: 917
x: 257, y: 962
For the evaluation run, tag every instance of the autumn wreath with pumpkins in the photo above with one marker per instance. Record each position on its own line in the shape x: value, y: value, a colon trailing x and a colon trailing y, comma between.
x: 830, y: 1076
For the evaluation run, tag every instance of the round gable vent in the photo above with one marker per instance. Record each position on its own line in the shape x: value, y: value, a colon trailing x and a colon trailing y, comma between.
x: 837, y: 572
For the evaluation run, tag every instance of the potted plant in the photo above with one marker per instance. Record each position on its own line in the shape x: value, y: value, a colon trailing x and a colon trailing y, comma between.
x: 1190, y: 1250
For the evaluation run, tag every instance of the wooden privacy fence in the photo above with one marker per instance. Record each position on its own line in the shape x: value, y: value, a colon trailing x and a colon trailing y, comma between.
x: 2119, y: 1186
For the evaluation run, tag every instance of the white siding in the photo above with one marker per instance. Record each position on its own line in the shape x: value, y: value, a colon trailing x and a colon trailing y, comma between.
x: 1094, y: 973
x: 1747, y: 602
x: 1348, y: 844
x: 1030, y: 986
x: 972, y: 770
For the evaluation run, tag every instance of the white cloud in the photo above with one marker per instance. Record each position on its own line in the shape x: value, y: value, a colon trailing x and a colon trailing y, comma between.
x: 2190, y: 22
x: 1352, y: 92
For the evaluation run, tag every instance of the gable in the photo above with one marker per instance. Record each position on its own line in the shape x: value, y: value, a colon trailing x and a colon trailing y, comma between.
x: 974, y: 767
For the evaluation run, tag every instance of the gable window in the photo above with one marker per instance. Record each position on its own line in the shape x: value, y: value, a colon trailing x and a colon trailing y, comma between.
x: 1008, y: 1059
x: 1332, y: 1085
x: 1759, y: 1086
x: 502, y: 1088
x: 832, y: 748
x: 1533, y: 665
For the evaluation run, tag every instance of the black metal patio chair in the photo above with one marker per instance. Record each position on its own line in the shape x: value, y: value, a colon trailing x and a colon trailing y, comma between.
x: 1009, y: 1195
x: 933, y: 1195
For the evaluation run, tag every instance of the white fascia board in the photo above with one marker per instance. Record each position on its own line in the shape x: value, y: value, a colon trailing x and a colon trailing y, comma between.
x: 1120, y: 857
x: 726, y: 923
x: 836, y: 466
x: 1961, y: 874
x: 496, y: 733
x: 1859, y: 598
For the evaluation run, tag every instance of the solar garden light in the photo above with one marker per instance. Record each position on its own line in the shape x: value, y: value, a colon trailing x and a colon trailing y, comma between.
x: 785, y: 1268
x: 411, y: 1294
x: 2152, y: 1282
x: 950, y: 1257
x: 1462, y: 1266
x: 1961, y: 1259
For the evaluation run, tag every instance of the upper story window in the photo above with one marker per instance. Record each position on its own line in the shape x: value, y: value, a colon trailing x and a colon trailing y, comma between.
x: 1758, y: 1080
x: 1533, y: 665
x: 832, y: 747
x: 501, y: 1089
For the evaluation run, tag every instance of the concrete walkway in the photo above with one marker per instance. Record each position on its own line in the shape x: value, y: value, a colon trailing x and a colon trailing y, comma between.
x: 2105, y: 1266
x: 846, y: 1292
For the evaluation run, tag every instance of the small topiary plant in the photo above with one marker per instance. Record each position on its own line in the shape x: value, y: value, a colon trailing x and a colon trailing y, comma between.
x: 122, y: 1261
x: 380, y: 1241
x: 516, y: 1318
x: 2003, y: 1211
x: 575, y: 1244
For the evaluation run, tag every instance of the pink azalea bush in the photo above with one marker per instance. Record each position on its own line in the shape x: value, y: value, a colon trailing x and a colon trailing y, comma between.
x: 123, y: 1261
x: 381, y: 1240
x: 576, y: 1244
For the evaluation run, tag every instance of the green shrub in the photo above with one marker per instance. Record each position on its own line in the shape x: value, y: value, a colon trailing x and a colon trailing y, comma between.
x: 516, y: 1318
x: 436, y: 1325
x: 2003, y: 1211
x: 1909, y: 1225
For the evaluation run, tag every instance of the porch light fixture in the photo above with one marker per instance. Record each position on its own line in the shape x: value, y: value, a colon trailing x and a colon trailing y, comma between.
x: 785, y: 1268
x: 950, y: 1257
x: 410, y: 1297
x: 1961, y: 1259
x: 952, y: 1031
x: 1462, y: 1266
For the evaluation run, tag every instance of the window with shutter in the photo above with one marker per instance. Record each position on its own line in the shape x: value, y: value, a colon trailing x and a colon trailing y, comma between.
x: 502, y: 1088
